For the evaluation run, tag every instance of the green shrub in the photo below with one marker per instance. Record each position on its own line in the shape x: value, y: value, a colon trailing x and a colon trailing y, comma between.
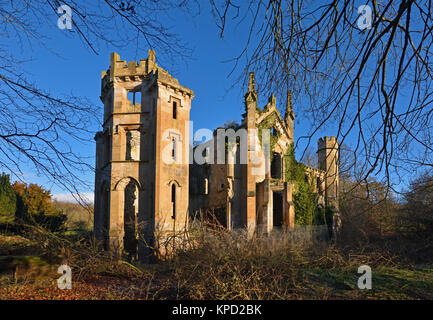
x: 305, y: 200
x: 305, y: 204
x: 34, y: 206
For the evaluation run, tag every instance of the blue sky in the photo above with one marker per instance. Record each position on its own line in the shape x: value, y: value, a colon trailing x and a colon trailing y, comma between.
x: 71, y: 68
x: 68, y: 67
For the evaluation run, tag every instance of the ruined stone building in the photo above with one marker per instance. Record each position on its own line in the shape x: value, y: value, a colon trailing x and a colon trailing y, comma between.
x: 138, y: 193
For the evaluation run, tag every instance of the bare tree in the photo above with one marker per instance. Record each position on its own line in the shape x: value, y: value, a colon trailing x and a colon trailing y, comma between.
x: 38, y: 128
x: 373, y: 85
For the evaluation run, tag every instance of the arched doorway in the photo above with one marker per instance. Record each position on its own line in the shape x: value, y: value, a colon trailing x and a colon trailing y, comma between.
x: 105, y: 218
x: 130, y: 241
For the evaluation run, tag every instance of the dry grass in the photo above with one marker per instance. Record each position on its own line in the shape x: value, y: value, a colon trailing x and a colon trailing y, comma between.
x: 214, y: 264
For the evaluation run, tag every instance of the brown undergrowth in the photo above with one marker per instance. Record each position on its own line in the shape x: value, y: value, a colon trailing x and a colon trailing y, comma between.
x: 212, y: 264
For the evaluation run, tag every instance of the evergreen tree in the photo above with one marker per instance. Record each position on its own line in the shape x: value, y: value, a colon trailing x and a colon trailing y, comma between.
x: 34, y: 205
x: 7, y: 200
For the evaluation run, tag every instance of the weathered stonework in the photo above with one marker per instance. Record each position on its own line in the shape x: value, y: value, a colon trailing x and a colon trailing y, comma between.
x: 128, y: 157
x: 240, y: 197
x: 140, y: 198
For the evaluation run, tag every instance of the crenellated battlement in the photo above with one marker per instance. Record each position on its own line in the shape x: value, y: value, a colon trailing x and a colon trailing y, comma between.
x: 123, y: 71
x: 317, y: 172
x: 119, y: 68
x: 327, y: 155
x: 328, y: 138
x: 327, y: 142
x: 144, y: 173
x: 146, y: 112
x: 128, y: 71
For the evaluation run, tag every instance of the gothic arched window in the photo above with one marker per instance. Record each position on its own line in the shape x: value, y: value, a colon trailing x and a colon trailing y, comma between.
x: 173, y: 200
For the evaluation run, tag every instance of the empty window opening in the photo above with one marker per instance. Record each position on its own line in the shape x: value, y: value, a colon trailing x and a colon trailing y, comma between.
x: 174, y: 110
x: 130, y: 96
x: 207, y: 152
x: 277, y: 208
x: 173, y: 201
x: 137, y: 97
x: 173, y: 149
x: 238, y: 155
x: 206, y: 186
x: 134, y: 97
x: 276, y: 166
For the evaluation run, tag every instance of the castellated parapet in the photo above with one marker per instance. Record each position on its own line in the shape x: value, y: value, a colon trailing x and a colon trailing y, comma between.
x: 143, y: 170
x: 328, y: 158
x: 138, y: 194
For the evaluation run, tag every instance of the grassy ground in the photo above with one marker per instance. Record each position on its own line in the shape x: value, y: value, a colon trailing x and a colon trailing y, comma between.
x: 388, y: 283
x: 223, y: 266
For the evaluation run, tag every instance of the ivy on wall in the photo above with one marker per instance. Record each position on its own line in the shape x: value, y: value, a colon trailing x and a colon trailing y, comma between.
x: 307, y: 211
x: 305, y: 204
x: 320, y: 217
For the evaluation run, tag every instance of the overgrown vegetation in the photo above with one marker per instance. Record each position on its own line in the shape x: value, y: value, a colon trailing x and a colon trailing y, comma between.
x: 267, y: 124
x: 28, y: 204
x: 416, y: 215
x: 214, y: 264
x: 371, y: 212
x: 307, y: 210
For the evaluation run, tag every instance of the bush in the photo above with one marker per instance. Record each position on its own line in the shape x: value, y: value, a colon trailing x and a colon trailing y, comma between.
x: 305, y: 204
x: 53, y: 223
x: 28, y: 204
x: 415, y: 217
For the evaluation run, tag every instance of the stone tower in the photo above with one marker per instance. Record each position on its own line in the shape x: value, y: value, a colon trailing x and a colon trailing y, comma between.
x: 142, y: 157
x: 328, y: 162
x: 250, y: 180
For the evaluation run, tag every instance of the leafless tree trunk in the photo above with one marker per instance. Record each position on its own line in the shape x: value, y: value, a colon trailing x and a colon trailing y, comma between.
x: 38, y: 128
x: 373, y: 86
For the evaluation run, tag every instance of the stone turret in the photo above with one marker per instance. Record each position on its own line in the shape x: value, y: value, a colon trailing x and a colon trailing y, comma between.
x: 289, y: 116
x: 251, y: 95
x: 328, y: 162
x: 142, y: 171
